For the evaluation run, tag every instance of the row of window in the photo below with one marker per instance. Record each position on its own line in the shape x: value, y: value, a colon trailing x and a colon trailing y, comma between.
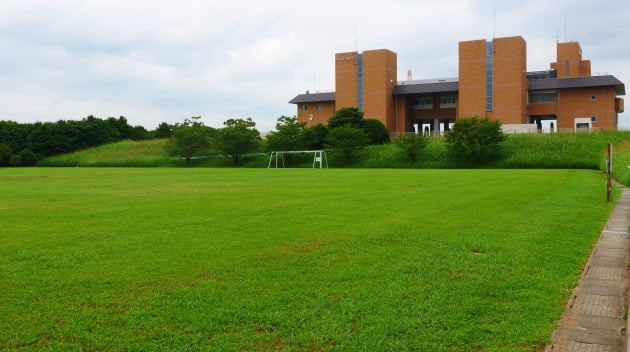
x: 320, y: 106
x: 426, y: 102
x: 543, y: 96
x: 547, y: 96
x: 450, y: 101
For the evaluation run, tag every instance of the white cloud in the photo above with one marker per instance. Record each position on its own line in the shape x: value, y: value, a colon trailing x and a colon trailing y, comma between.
x: 155, y: 61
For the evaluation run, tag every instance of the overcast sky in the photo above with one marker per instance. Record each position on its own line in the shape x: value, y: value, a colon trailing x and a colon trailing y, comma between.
x: 155, y: 60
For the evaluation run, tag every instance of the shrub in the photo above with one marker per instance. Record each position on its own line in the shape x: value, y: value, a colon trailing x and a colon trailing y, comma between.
x: 411, y: 145
x: 376, y: 131
x: 27, y: 158
x: 346, y: 140
x: 475, y: 139
x: 15, y: 160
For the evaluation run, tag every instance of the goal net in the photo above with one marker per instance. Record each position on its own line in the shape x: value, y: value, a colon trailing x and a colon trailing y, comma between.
x: 319, y: 158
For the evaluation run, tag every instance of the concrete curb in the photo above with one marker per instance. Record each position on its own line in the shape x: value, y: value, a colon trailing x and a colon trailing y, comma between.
x: 595, y: 317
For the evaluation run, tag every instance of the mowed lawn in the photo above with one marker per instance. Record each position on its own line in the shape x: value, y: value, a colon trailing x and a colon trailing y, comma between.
x: 291, y: 260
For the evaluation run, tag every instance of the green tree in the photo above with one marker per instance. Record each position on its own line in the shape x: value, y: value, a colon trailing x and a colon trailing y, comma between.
x: 137, y: 133
x: 164, y: 130
x: 345, y: 117
x: 5, y: 154
x: 27, y: 157
x: 189, y: 138
x: 475, y: 139
x: 412, y: 145
x: 15, y: 160
x: 287, y: 136
x: 15, y: 135
x: 238, y: 137
x: 314, y: 137
x: 346, y: 140
x: 376, y: 131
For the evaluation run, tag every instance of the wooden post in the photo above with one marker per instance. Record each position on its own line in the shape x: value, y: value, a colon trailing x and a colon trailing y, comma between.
x: 608, y: 174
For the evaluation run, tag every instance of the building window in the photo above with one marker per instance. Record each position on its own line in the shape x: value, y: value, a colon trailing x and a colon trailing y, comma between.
x: 489, y: 88
x: 582, y: 126
x: 593, y: 97
x: 448, y: 101
x: 543, y: 96
x: 321, y: 106
x: 360, y: 82
x: 304, y: 107
x: 423, y: 103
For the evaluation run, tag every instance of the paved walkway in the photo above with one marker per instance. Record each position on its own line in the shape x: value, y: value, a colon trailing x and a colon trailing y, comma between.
x: 594, y: 318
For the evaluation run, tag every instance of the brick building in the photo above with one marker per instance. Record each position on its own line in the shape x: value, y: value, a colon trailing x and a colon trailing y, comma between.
x: 493, y: 82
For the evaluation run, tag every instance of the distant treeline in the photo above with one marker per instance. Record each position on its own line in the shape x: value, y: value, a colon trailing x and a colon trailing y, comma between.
x: 26, y: 143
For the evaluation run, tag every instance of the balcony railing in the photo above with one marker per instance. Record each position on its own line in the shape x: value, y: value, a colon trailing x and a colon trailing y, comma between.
x: 542, y: 74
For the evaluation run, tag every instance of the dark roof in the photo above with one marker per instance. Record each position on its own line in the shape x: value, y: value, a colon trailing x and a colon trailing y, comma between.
x: 578, y: 82
x: 424, y: 88
x: 453, y: 86
x: 312, y: 98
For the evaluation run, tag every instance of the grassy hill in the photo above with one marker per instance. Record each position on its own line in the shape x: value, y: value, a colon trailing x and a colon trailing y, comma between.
x: 143, y: 153
x: 147, y: 153
x: 522, y: 151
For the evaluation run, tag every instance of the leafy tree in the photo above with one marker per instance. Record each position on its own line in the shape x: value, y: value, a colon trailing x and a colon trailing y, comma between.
x: 412, y: 145
x: 27, y: 157
x: 50, y: 138
x: 345, y: 117
x: 137, y: 133
x: 164, y: 130
x: 346, y: 140
x: 238, y: 137
x: 189, y: 138
x: 475, y: 138
x: 314, y: 137
x: 288, y: 135
x: 5, y: 154
x: 15, y: 160
x: 376, y: 131
x: 15, y: 135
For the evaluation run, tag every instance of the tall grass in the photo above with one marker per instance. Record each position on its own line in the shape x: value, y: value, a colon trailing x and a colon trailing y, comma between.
x: 558, y: 150
x: 621, y: 163
x: 519, y: 151
x: 148, y: 153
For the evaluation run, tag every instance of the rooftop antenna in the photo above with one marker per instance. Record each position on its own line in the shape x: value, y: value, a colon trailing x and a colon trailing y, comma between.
x: 355, y: 36
x: 494, y: 19
x: 566, y: 39
x: 557, y: 35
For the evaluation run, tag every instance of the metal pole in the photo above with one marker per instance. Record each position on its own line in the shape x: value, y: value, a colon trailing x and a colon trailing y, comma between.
x: 608, y: 173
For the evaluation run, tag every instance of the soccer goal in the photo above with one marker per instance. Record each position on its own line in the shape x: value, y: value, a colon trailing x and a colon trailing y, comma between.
x: 319, y: 157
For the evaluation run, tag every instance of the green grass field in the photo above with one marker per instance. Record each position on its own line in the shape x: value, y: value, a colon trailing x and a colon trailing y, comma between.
x: 291, y: 260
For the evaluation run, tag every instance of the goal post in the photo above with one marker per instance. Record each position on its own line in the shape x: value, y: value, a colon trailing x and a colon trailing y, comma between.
x: 319, y: 158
